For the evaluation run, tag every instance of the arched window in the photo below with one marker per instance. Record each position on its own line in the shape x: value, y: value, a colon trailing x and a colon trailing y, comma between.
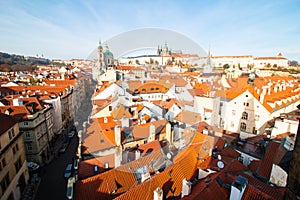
x: 245, y: 115
x: 243, y: 126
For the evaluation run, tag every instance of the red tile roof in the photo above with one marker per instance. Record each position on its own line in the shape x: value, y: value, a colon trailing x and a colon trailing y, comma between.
x: 274, y: 154
x: 86, y: 167
x: 7, y: 122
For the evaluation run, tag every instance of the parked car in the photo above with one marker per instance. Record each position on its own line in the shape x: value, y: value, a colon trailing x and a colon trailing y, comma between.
x: 68, y: 171
x: 63, y: 148
x: 70, y: 187
x: 32, y: 166
x: 75, y: 163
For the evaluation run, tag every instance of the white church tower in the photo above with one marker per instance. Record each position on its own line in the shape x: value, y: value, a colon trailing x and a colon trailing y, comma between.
x: 99, y: 65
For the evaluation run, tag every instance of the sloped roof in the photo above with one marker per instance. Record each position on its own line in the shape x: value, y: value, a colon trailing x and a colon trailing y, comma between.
x: 99, y: 135
x: 7, y: 122
x: 120, y: 112
x: 143, y: 130
x: 118, y: 180
x: 188, y: 117
x: 274, y: 154
x: 86, y: 167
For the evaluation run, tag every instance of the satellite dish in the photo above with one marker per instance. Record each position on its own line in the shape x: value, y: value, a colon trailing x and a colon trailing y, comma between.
x: 220, y: 164
x: 169, y: 156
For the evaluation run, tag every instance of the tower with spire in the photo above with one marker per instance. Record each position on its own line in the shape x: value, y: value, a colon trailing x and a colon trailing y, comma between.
x: 208, y: 66
x: 100, y: 55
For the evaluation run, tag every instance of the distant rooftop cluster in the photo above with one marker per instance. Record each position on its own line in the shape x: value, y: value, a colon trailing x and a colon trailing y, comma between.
x: 161, y: 131
x: 160, y: 127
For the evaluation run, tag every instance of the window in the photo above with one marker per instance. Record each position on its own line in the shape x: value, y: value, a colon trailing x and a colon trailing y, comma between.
x: 18, y: 164
x: 13, y: 132
x: 243, y: 126
x: 27, y: 135
x: 25, y: 123
x: 245, y: 115
x: 232, y: 124
x: 110, y: 108
x: 29, y: 146
x: 17, y: 147
x: 2, y: 163
x: 5, y: 182
x: 233, y: 112
x: 10, y: 135
x: 256, y: 117
x: 247, y: 104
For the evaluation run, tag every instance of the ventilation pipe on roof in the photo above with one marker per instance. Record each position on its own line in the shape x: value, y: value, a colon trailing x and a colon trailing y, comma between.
x: 158, y: 194
x: 186, y: 188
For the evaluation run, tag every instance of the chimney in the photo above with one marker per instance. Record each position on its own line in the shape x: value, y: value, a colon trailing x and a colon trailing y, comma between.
x: 261, y: 98
x: 238, y: 188
x: 264, y: 90
x: 15, y: 102
x: 125, y: 122
x: 269, y: 90
x: 186, y: 188
x: 137, y: 154
x: 105, y: 120
x: 169, y: 133
x: 275, y: 88
x: 158, y: 194
x: 118, y: 157
x: 151, y: 133
x: 258, y: 91
x: 135, y: 114
x: 118, y: 135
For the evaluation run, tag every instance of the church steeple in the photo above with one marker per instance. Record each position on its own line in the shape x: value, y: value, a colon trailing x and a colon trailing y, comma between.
x: 208, y: 61
x: 100, y: 45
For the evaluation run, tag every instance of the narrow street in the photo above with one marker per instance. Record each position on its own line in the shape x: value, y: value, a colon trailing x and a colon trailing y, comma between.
x: 53, y: 184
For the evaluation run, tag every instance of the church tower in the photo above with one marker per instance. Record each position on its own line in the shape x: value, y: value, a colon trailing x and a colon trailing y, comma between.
x: 208, y: 66
x: 100, y: 56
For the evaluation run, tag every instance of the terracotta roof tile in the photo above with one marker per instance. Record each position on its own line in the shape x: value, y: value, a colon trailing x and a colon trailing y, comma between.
x: 274, y: 154
x: 188, y: 117
x: 86, y: 167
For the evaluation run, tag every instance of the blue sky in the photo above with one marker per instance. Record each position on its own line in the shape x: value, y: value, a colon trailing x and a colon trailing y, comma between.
x: 71, y: 29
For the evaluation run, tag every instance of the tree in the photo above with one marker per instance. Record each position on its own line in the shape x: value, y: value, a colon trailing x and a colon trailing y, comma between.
x: 226, y: 66
x: 294, y: 63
